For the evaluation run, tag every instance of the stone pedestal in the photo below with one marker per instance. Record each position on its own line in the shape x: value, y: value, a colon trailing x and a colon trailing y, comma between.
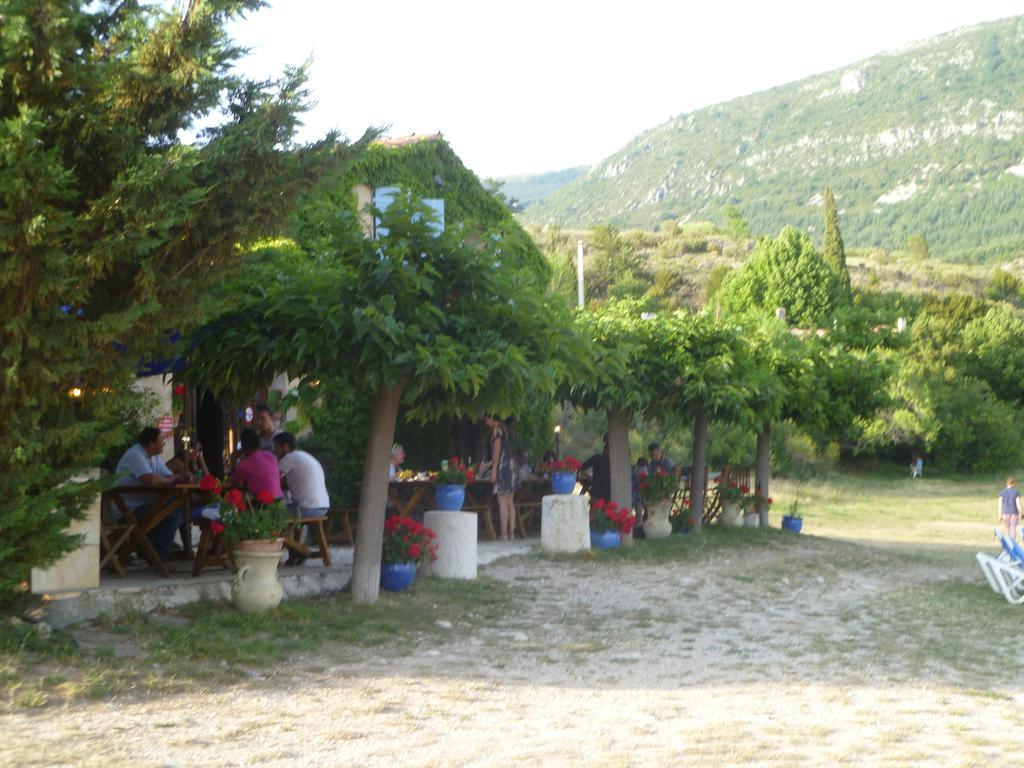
x: 456, y: 544
x: 565, y: 523
x: 79, y: 569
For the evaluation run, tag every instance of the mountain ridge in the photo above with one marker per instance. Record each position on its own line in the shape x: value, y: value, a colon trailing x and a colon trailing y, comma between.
x: 925, y: 139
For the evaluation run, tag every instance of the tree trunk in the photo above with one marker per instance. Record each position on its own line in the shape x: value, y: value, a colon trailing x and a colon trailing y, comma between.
x: 618, y: 458
x: 373, y: 498
x: 761, y: 470
x: 699, y: 472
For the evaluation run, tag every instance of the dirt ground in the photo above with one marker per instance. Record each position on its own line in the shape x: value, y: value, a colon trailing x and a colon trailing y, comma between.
x: 827, y: 653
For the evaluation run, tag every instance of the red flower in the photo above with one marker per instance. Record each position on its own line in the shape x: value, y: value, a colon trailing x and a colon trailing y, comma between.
x: 718, y: 480
x: 598, y: 504
x: 745, y: 488
x: 687, y: 502
x: 179, y: 390
x: 265, y: 497
x: 662, y: 472
x: 415, y: 551
x: 470, y: 475
x: 769, y: 501
x: 209, y: 483
x: 216, y: 526
x: 235, y: 499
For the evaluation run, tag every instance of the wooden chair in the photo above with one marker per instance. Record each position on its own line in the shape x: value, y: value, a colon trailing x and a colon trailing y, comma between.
x: 341, y: 519
x: 112, y: 538
x: 293, y: 539
x: 210, y: 552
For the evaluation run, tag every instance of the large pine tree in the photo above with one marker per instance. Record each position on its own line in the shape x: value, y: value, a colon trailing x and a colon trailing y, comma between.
x: 834, y: 251
x: 112, y: 224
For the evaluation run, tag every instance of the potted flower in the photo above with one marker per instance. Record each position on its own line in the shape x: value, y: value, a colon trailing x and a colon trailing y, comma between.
x: 609, y: 523
x: 731, y: 495
x: 563, y: 474
x: 406, y: 544
x: 657, y: 491
x: 752, y: 504
x: 794, y: 521
x: 450, y: 484
x: 252, y: 528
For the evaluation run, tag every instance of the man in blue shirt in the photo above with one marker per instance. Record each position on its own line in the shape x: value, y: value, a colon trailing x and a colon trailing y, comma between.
x: 142, y: 465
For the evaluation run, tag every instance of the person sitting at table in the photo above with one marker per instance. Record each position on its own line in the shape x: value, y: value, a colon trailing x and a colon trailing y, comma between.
x: 523, y: 463
x: 257, y: 469
x: 263, y: 418
x: 303, y: 476
x: 142, y: 465
x: 659, y: 461
x: 188, y: 464
x: 397, y: 457
x: 548, y: 457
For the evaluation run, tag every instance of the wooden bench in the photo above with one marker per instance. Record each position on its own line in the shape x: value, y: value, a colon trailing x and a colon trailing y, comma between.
x: 293, y: 540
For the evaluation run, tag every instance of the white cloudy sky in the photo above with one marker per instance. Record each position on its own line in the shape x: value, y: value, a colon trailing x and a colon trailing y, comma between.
x: 533, y: 86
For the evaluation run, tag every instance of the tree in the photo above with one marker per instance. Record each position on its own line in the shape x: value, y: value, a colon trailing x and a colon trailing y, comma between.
x: 112, y: 225
x: 450, y: 324
x: 834, y: 252
x: 735, y: 225
x: 917, y: 246
x: 785, y: 272
x: 624, y: 370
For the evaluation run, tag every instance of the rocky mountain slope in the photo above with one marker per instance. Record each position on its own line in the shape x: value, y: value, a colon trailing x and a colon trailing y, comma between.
x: 925, y: 140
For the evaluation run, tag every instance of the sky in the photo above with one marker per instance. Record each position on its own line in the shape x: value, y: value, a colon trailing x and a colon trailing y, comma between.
x: 531, y: 86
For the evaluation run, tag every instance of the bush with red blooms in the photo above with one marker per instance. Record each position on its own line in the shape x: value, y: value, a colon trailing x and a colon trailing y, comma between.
x: 406, y: 541
x: 609, y: 516
x: 457, y: 473
x: 244, y: 517
x: 732, y: 491
x: 568, y: 464
x: 657, y: 487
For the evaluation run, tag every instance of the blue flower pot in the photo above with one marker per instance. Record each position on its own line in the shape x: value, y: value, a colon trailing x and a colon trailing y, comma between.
x: 396, y: 577
x: 607, y: 540
x: 793, y: 524
x: 563, y: 482
x: 450, y: 497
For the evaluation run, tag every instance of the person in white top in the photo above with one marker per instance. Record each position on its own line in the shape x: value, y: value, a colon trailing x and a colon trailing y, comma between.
x: 303, y: 476
x: 397, y: 457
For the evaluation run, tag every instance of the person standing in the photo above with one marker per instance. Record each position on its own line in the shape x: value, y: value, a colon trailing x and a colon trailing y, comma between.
x: 1010, y: 508
x: 503, y: 474
x: 303, y: 476
x: 142, y: 465
x: 600, y: 467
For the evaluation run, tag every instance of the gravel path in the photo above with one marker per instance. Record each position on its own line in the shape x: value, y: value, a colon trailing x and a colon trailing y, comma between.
x: 606, y: 663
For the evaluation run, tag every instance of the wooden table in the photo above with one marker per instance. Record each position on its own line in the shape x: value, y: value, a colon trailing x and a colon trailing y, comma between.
x: 167, y: 499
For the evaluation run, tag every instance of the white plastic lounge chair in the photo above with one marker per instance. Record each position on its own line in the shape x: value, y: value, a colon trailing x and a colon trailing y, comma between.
x: 1005, y: 573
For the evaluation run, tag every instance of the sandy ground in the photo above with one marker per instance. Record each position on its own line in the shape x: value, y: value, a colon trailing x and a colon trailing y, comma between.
x: 612, y: 664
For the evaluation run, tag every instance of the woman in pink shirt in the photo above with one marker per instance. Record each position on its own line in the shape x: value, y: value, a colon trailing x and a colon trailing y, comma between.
x: 257, y: 469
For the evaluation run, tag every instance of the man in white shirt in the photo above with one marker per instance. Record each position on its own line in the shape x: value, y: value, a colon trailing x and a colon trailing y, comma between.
x: 397, y: 457
x: 141, y: 464
x: 303, y: 476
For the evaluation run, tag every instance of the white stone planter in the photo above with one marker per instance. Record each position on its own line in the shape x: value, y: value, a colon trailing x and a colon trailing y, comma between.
x: 730, y: 516
x: 456, y: 534
x: 256, y: 587
x: 751, y: 520
x: 657, y: 525
x: 564, y: 523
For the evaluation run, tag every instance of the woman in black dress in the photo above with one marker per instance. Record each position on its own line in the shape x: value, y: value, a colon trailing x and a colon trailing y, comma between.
x: 503, y: 475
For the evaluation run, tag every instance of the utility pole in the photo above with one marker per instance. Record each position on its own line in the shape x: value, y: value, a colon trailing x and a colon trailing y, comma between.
x: 579, y: 273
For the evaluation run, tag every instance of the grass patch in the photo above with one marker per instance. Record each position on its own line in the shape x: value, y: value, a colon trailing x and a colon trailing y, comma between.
x: 210, y: 643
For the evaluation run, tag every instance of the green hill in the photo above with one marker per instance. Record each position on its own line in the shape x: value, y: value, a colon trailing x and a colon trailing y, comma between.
x: 926, y: 140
